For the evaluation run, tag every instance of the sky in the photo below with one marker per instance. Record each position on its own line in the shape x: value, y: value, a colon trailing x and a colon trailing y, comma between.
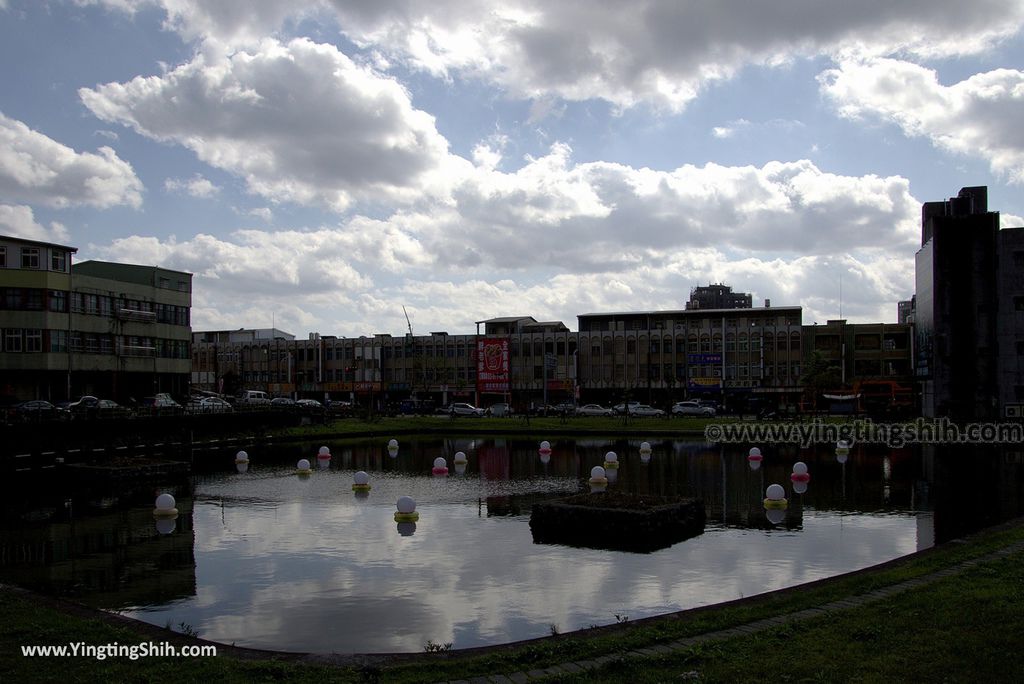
x: 329, y: 166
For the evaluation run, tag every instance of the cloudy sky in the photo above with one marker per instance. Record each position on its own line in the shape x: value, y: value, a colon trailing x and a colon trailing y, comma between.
x: 319, y: 164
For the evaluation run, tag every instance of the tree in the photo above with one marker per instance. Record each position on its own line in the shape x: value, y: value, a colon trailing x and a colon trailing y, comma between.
x: 820, y: 375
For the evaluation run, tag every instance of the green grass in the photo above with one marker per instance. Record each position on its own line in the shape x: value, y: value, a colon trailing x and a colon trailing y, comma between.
x: 964, y: 628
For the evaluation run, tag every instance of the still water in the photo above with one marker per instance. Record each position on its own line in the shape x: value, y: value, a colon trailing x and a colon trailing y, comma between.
x: 269, y: 559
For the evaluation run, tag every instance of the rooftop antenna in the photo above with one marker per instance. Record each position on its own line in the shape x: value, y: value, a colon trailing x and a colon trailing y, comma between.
x: 840, y: 294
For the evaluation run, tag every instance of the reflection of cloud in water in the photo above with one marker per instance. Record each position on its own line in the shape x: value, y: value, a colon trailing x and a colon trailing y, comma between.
x: 303, y: 565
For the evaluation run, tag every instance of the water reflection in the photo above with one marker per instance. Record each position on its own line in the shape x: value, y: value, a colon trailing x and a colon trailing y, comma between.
x: 266, y: 559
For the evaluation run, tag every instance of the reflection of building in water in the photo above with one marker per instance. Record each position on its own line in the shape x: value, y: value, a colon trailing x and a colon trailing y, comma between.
x: 972, y: 487
x: 114, y: 560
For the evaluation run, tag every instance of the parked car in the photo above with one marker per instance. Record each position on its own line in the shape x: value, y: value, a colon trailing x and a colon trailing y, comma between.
x: 593, y: 410
x: 309, y: 404
x: 645, y: 411
x: 252, y: 399
x: 209, y: 405
x: 499, y: 409
x: 108, y: 408
x: 339, y: 408
x: 38, y: 410
x: 86, y: 406
x: 620, y: 409
x: 691, y: 408
x: 462, y: 409
x: 161, y: 404
x: 282, y: 402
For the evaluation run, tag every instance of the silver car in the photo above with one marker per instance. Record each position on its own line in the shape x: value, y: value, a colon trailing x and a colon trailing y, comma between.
x: 691, y: 408
x: 593, y: 410
x: 461, y: 409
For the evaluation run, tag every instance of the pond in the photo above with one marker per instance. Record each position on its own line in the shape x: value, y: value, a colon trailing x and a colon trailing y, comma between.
x: 271, y: 559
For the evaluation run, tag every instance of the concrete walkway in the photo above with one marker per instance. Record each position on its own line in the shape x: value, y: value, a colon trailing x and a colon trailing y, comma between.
x: 747, y: 629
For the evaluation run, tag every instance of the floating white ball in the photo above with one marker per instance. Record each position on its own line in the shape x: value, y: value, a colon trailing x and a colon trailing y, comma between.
x: 800, y: 468
x: 645, y: 447
x: 303, y: 464
x: 597, y: 472
x: 165, y: 502
x: 754, y: 453
x: 460, y: 457
x: 439, y: 463
x: 406, y: 504
x: 324, y: 451
x: 393, y: 444
x: 775, y: 492
x: 611, y: 457
x: 361, y: 478
x: 545, y: 444
x: 241, y: 457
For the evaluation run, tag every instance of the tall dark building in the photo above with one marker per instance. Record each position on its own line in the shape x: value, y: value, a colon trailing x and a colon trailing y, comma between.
x: 957, y: 307
x: 1010, y: 326
x: 718, y: 297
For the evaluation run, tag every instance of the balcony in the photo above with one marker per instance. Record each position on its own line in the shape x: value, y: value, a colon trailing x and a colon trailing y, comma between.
x: 137, y: 351
x: 136, y: 315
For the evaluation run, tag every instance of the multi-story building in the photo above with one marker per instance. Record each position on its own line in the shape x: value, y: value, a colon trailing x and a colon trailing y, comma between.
x: 957, y: 304
x: 873, y: 365
x: 375, y: 369
x: 733, y: 355
x: 114, y: 330
x: 718, y: 297
x: 1010, y: 323
x: 905, y: 310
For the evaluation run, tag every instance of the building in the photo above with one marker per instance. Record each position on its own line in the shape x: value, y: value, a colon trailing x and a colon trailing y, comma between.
x: 873, y: 367
x: 957, y: 307
x: 740, y: 356
x: 905, y: 310
x: 118, y: 331
x: 718, y: 297
x: 1010, y: 323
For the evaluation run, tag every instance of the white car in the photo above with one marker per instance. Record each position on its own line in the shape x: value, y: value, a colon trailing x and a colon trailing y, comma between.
x: 309, y: 403
x: 593, y: 410
x: 691, y: 408
x: 620, y: 409
x: 645, y: 410
x: 209, y: 405
x: 460, y: 409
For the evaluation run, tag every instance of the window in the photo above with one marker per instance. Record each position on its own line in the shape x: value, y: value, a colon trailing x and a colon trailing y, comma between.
x: 34, y: 340
x: 58, y: 300
x: 58, y: 341
x: 33, y: 300
x: 12, y: 340
x: 58, y: 261
x: 30, y: 257
x: 3, y: 257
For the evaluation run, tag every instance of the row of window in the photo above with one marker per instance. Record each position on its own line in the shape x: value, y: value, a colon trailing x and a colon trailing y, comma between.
x: 36, y: 299
x: 700, y: 324
x: 35, y: 340
x: 32, y: 258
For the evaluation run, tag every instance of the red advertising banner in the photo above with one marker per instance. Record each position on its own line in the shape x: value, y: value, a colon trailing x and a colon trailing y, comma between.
x: 492, y: 366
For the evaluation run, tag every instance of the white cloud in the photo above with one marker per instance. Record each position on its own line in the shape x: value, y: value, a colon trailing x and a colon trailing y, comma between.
x: 556, y: 239
x: 300, y: 122
x: 662, y: 51
x: 37, y: 169
x: 196, y: 186
x: 1010, y: 221
x: 20, y: 221
x: 978, y: 117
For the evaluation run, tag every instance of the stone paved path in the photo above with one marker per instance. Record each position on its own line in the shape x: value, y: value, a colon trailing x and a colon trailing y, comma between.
x: 742, y: 630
